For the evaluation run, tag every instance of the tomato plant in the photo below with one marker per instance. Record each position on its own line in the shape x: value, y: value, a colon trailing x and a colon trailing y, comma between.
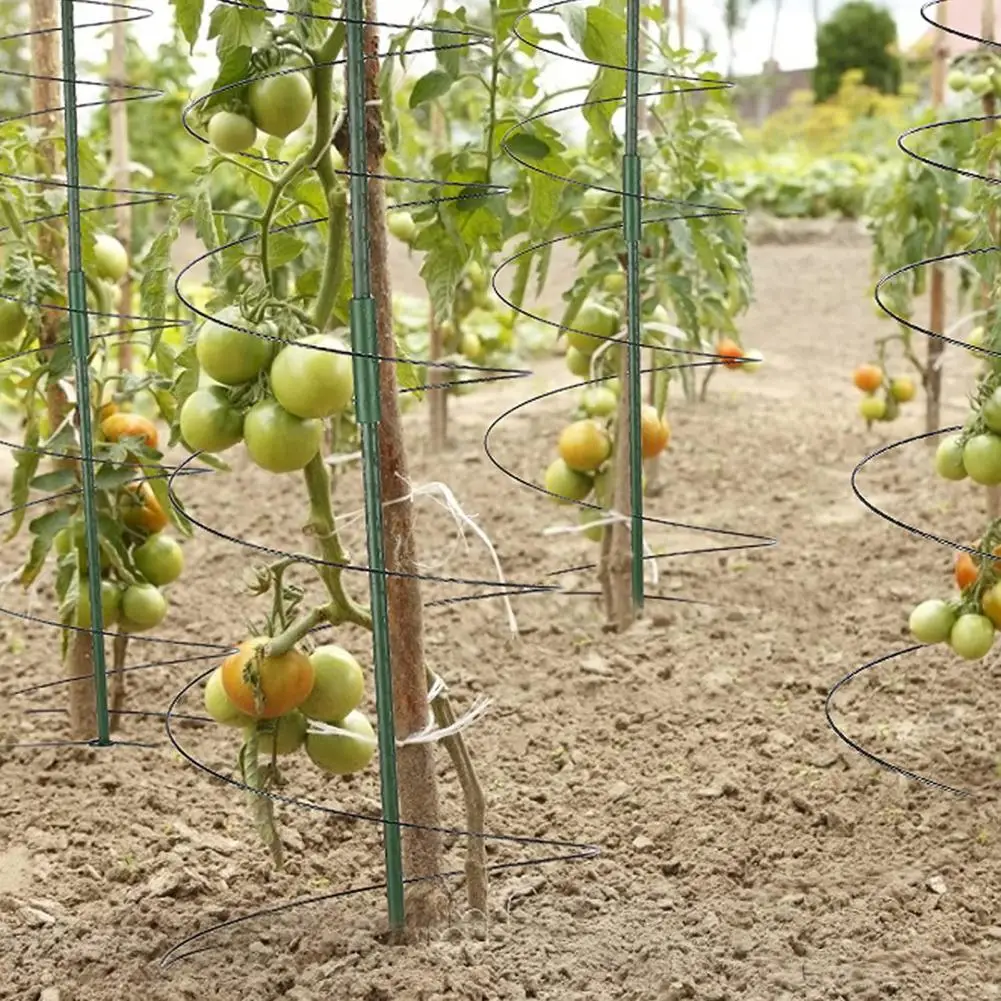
x: 694, y: 275
x: 268, y: 364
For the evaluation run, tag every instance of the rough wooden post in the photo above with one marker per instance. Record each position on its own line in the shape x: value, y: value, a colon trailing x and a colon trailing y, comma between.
x: 422, y: 849
x: 936, y: 347
x: 46, y: 99
x: 119, y: 116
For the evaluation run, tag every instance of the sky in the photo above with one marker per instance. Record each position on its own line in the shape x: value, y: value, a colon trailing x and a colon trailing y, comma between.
x: 795, y: 48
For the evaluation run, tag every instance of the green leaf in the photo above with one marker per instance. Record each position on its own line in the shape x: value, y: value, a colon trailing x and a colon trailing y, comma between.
x: 526, y: 145
x: 54, y: 482
x: 432, y: 85
x: 45, y: 529
x: 26, y: 465
x: 283, y: 248
x: 188, y: 14
x: 112, y: 477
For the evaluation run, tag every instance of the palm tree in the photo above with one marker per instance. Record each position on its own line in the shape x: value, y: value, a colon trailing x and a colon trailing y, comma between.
x: 734, y: 19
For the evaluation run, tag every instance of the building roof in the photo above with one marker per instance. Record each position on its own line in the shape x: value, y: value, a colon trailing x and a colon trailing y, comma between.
x: 959, y: 15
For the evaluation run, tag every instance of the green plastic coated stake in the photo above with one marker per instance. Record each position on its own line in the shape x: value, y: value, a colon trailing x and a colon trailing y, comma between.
x: 632, y: 219
x: 364, y: 343
x: 81, y: 354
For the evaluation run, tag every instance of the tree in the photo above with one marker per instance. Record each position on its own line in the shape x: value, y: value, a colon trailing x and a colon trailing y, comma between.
x: 859, y: 35
x: 734, y: 19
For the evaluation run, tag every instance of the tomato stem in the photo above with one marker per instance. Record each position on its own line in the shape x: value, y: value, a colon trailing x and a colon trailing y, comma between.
x: 321, y: 516
x: 299, y: 630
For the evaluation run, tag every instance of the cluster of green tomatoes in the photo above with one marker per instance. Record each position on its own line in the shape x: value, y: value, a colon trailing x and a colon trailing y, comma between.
x: 967, y: 623
x: 280, y: 418
x: 976, y: 451
x: 883, y: 396
x: 110, y: 266
x: 293, y: 701
x: 978, y: 74
x: 275, y: 105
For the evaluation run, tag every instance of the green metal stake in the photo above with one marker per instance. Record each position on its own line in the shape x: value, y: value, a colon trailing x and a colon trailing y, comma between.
x: 364, y: 342
x: 81, y: 357
x: 632, y: 224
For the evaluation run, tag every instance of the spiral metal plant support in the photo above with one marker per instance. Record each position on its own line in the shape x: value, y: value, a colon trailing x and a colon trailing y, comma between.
x: 906, y: 272
x: 366, y: 361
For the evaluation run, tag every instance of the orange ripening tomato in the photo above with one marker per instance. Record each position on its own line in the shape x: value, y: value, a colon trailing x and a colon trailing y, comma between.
x: 141, y: 511
x: 965, y: 571
x: 991, y: 604
x: 656, y: 432
x: 120, y: 425
x: 730, y: 351
x: 868, y: 378
x: 285, y: 682
x: 107, y: 410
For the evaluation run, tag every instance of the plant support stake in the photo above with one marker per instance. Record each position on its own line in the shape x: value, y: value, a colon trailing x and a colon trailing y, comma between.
x: 80, y: 338
x: 631, y: 221
x: 366, y: 376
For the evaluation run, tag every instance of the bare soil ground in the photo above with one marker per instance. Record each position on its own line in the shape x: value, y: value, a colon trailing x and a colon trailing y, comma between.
x: 746, y: 852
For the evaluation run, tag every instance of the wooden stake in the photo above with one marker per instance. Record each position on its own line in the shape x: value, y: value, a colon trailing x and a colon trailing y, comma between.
x: 615, y: 571
x: 46, y: 99
x: 437, y: 398
x: 120, y: 159
x: 936, y: 347
x: 415, y: 762
x: 988, y: 27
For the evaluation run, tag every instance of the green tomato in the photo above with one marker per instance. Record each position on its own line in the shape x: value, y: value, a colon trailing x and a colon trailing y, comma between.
x: 159, y: 559
x: 949, y: 459
x: 477, y: 277
x: 932, y: 621
x: 279, y: 441
x: 596, y: 319
x: 972, y: 636
x: 231, y: 133
x: 753, y: 360
x: 992, y: 411
x: 980, y: 84
x: 614, y: 283
x: 143, y: 607
x: 12, y: 320
x: 313, y: 383
x: 976, y: 338
x: 110, y: 257
x: 218, y: 705
x: 958, y: 80
x: 567, y: 484
x: 578, y: 363
x: 77, y: 534
x: 341, y: 754
x: 338, y: 684
x: 599, y: 401
x: 593, y: 532
x: 873, y: 408
x: 982, y: 459
x: 111, y: 599
x: 209, y: 423
x: 281, y: 104
x: 472, y: 346
x: 402, y: 226
x: 231, y: 356
x: 284, y: 735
